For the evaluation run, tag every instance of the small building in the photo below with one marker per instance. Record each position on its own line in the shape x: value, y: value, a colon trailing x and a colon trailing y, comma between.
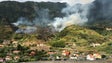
x: 6, y: 42
x: 108, y: 28
x: 16, y: 51
x: 8, y: 58
x: 97, y: 56
x: 1, y: 45
x: 65, y: 53
x: 1, y: 60
x: 95, y: 44
x: 90, y: 57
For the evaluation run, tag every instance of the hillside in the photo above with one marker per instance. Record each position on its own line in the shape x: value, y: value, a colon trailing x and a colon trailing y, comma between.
x: 42, y: 39
x: 36, y: 46
x: 73, y: 37
x: 12, y: 11
x: 82, y: 37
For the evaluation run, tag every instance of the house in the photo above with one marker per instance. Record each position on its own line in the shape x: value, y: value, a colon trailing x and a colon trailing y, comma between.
x: 90, y: 57
x: 40, y: 46
x: 97, y: 56
x: 65, y: 53
x: 8, y: 58
x: 95, y: 44
x: 1, y: 60
x: 109, y: 28
x: 16, y: 51
x: 1, y: 45
x: 6, y: 42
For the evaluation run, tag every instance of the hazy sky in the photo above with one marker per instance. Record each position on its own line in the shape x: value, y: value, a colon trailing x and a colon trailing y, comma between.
x: 33, y: 0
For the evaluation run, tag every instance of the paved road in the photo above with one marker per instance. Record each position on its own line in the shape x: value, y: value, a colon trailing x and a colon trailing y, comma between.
x: 70, y: 61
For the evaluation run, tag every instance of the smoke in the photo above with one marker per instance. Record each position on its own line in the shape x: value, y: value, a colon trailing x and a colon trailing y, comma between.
x: 106, y: 10
x: 41, y: 20
x: 100, y: 13
x: 43, y: 17
x: 26, y: 29
x: 23, y: 21
x: 76, y: 13
x: 73, y: 2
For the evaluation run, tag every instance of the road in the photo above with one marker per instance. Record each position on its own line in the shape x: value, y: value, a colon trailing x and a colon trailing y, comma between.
x: 70, y: 61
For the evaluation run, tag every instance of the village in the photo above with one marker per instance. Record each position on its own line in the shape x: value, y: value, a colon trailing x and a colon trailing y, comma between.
x: 13, y: 51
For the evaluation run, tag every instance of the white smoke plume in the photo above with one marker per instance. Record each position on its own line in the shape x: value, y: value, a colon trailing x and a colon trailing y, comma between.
x: 26, y: 26
x: 76, y: 13
x: 27, y: 29
x: 73, y: 2
x: 22, y: 21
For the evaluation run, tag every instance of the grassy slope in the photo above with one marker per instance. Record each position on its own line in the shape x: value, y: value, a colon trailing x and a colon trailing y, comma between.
x: 80, y: 36
x: 5, y: 32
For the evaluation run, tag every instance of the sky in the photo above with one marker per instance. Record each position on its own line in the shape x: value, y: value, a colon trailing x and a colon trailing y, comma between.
x: 34, y: 0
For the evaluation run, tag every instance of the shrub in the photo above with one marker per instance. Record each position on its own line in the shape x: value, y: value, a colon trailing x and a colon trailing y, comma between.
x: 58, y: 44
